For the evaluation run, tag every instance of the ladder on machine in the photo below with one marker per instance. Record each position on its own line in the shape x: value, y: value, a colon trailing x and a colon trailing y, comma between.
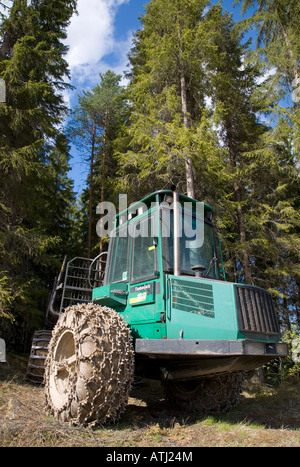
x: 74, y: 285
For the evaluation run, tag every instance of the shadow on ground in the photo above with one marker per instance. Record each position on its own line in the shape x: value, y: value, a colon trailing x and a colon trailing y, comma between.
x: 272, y: 408
x: 266, y: 407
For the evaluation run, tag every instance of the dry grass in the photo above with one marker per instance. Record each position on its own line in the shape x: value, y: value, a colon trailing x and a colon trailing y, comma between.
x: 264, y: 417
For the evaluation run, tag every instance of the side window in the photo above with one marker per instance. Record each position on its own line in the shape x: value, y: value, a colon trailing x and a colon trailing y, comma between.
x: 119, y: 260
x: 144, y: 251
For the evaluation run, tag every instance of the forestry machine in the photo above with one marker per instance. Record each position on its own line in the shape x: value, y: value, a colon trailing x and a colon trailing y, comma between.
x: 162, y: 310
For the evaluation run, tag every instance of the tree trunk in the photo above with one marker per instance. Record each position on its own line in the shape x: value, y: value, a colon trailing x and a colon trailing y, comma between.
x: 188, y: 161
x: 233, y: 154
x: 104, y: 157
x: 285, y: 32
x: 91, y: 191
x: 6, y: 46
x: 243, y: 237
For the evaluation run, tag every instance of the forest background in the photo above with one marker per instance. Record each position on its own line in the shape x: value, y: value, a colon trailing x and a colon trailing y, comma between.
x: 202, y: 108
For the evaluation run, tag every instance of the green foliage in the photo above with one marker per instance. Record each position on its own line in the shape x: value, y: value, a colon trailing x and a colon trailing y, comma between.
x: 94, y: 127
x: 35, y: 194
x: 202, y: 110
x: 244, y: 163
x: 278, y: 41
x: 278, y: 47
x: 292, y: 337
x: 167, y: 92
x: 286, y: 369
x: 6, y: 298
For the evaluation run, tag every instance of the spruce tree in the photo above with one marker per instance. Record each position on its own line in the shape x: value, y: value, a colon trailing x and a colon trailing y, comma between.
x: 167, y: 91
x: 242, y: 166
x: 277, y: 48
x: 94, y: 127
x: 35, y: 191
x: 232, y: 86
x: 277, y: 23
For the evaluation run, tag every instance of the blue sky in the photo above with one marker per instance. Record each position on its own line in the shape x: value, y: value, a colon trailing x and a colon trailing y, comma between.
x: 99, y: 38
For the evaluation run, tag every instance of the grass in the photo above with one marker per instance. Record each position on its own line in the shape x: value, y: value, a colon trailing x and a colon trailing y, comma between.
x: 265, y: 417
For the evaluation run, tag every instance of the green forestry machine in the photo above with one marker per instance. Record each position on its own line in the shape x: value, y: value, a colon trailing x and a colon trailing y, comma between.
x: 163, y: 311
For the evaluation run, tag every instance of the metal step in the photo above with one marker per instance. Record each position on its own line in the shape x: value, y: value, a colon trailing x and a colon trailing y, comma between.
x: 37, y: 358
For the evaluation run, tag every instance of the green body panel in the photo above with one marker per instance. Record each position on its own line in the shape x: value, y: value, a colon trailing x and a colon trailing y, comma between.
x: 178, y: 307
x: 164, y: 306
x: 200, y: 309
x: 112, y: 295
x: 143, y: 308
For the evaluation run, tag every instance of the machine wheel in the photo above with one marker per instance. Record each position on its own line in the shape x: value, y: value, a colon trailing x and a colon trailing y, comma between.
x: 90, y: 366
x: 37, y: 358
x: 209, y: 395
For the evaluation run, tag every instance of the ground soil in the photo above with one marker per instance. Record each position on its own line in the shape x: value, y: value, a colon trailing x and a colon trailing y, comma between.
x: 265, y: 417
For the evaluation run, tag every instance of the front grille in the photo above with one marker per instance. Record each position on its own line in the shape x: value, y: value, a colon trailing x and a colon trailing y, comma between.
x: 255, y: 310
x: 193, y: 296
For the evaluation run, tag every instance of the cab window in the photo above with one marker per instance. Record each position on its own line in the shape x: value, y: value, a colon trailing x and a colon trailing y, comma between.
x: 190, y: 254
x: 144, y: 251
x: 119, y: 260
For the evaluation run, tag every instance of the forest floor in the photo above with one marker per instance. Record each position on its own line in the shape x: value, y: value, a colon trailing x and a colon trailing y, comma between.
x: 265, y: 417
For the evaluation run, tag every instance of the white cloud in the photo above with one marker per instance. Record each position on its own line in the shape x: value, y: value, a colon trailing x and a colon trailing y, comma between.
x: 91, y: 38
x: 4, y: 4
x: 266, y: 75
x: 90, y: 34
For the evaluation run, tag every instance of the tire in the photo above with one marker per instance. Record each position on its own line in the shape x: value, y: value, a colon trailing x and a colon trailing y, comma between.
x: 37, y: 358
x: 90, y: 366
x: 208, y: 396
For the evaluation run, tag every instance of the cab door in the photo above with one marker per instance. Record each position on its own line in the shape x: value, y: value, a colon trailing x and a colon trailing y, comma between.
x: 145, y: 305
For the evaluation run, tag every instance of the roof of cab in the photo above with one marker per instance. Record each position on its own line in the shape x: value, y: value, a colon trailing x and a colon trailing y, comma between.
x: 159, y: 197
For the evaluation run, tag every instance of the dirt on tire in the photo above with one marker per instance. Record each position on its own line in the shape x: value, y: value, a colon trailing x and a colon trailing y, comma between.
x: 89, y: 367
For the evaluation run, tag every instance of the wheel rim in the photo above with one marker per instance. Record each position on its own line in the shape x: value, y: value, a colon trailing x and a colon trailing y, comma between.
x: 89, y: 366
x: 63, y: 369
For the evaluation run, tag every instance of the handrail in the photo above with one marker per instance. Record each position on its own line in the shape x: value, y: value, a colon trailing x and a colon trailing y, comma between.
x: 91, y: 266
x: 57, y: 285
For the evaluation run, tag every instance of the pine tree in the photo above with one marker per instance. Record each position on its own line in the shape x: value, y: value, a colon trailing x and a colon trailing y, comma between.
x: 94, y: 127
x: 278, y: 47
x: 232, y: 88
x: 167, y: 91
x: 35, y: 191
x: 277, y: 23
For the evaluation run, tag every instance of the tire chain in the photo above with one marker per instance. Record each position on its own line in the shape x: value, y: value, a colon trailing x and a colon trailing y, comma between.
x: 105, y: 386
x: 226, y: 396
x: 214, y: 395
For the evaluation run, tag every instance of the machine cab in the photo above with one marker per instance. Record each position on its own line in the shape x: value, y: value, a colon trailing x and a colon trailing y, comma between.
x: 142, y: 243
x: 142, y: 256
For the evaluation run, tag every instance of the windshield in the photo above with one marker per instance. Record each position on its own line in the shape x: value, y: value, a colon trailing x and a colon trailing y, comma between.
x: 192, y: 251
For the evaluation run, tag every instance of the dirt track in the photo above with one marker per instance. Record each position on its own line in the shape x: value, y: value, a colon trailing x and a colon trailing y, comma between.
x: 264, y: 417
